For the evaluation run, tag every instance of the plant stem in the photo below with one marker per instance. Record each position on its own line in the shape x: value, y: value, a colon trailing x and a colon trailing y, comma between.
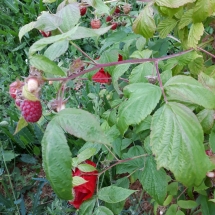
x: 133, y: 61
x: 160, y: 81
x: 213, y: 56
x: 122, y: 161
x: 84, y: 53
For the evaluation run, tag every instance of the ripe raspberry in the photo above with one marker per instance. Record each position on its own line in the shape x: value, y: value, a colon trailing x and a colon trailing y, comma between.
x: 31, y: 110
x: 109, y: 18
x: 14, y: 87
x: 83, y: 10
x: 114, y: 25
x: 95, y: 23
x: 46, y: 34
x: 117, y: 10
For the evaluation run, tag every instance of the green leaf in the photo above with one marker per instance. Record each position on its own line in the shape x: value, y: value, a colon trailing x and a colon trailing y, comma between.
x: 87, y: 207
x: 70, y: 15
x: 113, y: 194
x: 25, y: 29
x: 56, y: 153
x: 20, y: 125
x: 184, y: 59
x: 140, y: 73
x: 178, y: 144
x: 197, y: 65
x: 206, y: 118
x: 172, y: 209
x: 207, y: 81
x: 180, y: 213
x: 187, y: 204
x: 83, y: 32
x: 107, y: 57
x: 196, y: 31
x: 185, y: 88
x: 56, y: 49
x: 154, y: 181
x: 86, y: 167
x: 140, y: 43
x: 173, y: 3
x: 116, y: 208
x: 186, y: 19
x: 28, y: 95
x: 166, y: 75
x: 81, y: 124
x: 46, y: 65
x: 8, y: 155
x: 57, y: 160
x: 76, y: 181
x: 42, y: 43
x: 144, y: 125
x: 102, y: 210
x: 48, y: 22
x: 141, y: 54
x: 100, y: 6
x: 201, y: 10
x: 166, y: 26
x: 117, y: 73
x: 172, y: 188
x: 84, y: 155
x: 168, y: 200
x: 143, y: 98
x: 212, y: 139
x: 144, y: 23
x: 131, y: 165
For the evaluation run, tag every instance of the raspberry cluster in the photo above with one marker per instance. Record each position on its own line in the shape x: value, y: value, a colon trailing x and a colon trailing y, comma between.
x: 28, y: 102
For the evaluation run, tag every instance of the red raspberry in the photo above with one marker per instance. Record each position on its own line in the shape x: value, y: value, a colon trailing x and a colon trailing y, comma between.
x: 14, y: 87
x: 120, y: 58
x: 109, y: 18
x: 46, y: 34
x: 117, y: 10
x: 31, y: 110
x: 114, y: 25
x: 83, y: 10
x: 95, y: 23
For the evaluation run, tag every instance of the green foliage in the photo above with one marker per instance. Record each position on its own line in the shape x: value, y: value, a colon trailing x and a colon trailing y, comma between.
x: 148, y: 127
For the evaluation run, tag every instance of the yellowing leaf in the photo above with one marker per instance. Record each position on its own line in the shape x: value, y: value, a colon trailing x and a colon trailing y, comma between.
x: 196, y: 31
x: 144, y: 23
x: 186, y: 19
x: 173, y: 3
x: 166, y: 26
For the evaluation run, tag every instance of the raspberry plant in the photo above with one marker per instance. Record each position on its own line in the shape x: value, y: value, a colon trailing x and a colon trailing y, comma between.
x: 158, y: 117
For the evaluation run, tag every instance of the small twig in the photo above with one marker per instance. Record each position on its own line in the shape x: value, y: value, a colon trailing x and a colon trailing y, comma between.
x: 84, y: 53
x: 182, y: 193
x: 213, y: 56
x: 131, y: 61
x: 122, y: 161
x: 160, y: 81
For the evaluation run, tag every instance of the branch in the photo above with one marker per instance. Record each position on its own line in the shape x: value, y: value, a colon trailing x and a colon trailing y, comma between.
x: 160, y: 81
x: 132, y: 61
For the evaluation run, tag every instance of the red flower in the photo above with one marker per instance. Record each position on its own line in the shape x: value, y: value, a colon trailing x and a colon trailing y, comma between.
x: 101, y: 76
x: 84, y: 191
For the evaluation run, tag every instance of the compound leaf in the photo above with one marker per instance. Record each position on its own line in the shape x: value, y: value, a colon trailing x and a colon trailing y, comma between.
x: 177, y: 142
